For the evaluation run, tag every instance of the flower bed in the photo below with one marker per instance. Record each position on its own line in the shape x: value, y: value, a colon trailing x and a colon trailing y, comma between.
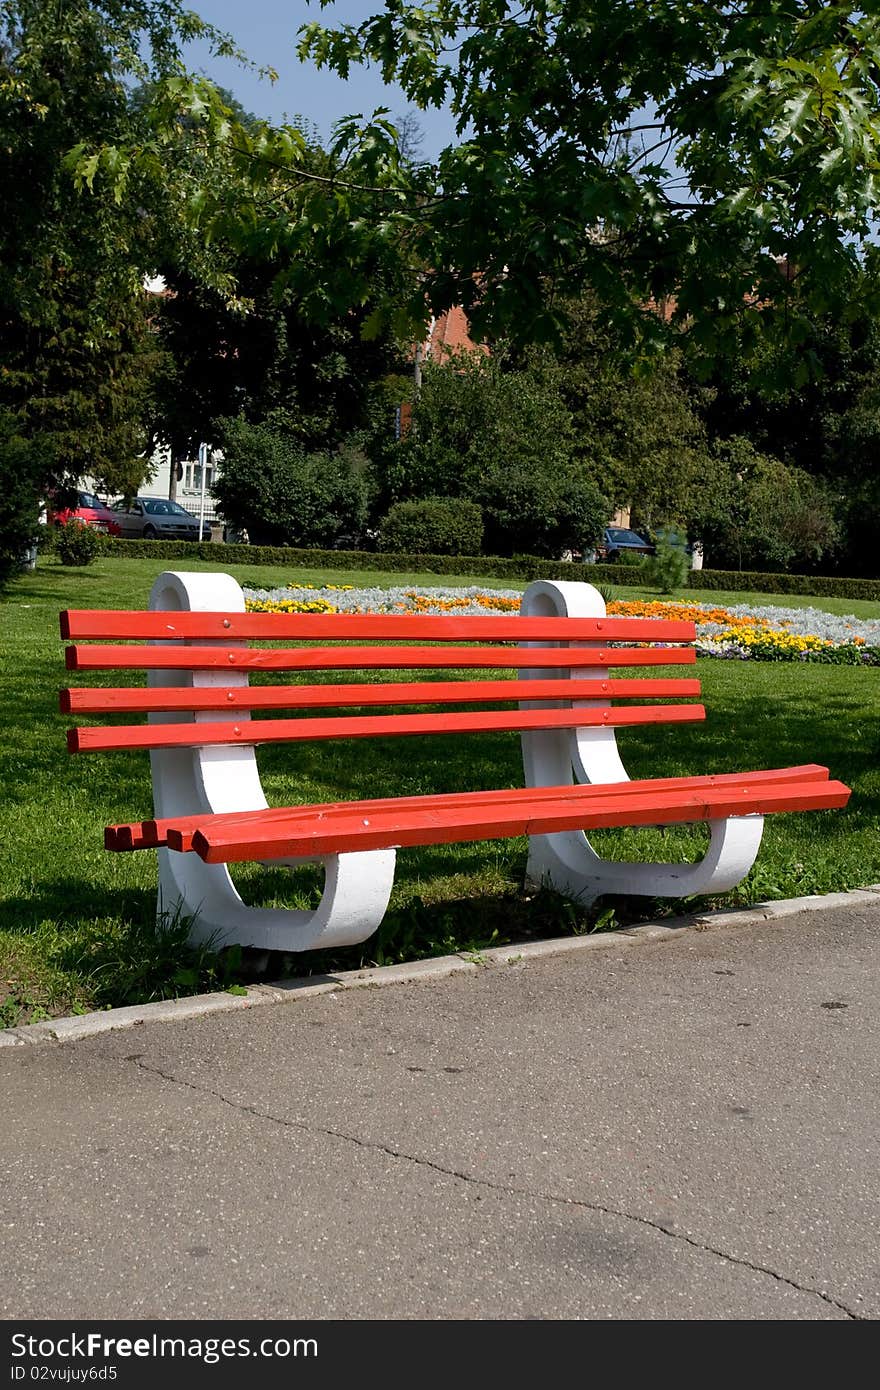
x: 737, y: 633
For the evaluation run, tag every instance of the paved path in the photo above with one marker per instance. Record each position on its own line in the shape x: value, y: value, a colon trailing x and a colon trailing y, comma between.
x: 676, y: 1129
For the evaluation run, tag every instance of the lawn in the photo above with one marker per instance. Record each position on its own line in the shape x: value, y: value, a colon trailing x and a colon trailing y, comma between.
x: 76, y: 923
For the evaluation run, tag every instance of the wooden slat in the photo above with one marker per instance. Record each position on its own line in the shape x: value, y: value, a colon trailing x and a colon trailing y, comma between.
x: 128, y: 700
x: 104, y: 658
x: 101, y: 625
x: 308, y: 834
x: 177, y: 831
x: 127, y: 737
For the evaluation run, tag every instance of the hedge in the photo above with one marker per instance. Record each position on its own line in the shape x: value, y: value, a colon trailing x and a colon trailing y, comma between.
x: 520, y: 567
x: 818, y: 585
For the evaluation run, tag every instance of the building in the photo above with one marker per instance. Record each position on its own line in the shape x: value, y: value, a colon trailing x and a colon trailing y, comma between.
x: 186, y: 487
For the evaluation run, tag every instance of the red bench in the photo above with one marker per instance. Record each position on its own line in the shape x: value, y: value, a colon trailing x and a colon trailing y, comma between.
x: 210, y: 809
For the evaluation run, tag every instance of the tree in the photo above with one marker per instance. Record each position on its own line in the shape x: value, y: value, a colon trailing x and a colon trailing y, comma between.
x: 714, y: 153
x: 76, y: 344
x: 710, y: 157
x: 106, y: 182
x: 815, y: 405
x: 470, y: 416
x: 504, y: 440
x: 281, y: 495
x: 410, y: 137
x: 640, y: 435
x: 763, y: 514
x: 22, y: 462
x: 812, y: 402
x: 268, y: 360
x: 83, y: 393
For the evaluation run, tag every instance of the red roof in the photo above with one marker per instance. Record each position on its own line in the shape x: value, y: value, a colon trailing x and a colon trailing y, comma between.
x: 450, y: 334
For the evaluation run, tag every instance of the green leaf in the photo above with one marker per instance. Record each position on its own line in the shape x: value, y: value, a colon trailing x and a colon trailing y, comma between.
x: 87, y: 168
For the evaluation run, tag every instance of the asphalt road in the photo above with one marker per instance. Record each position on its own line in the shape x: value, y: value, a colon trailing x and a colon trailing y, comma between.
x: 686, y: 1128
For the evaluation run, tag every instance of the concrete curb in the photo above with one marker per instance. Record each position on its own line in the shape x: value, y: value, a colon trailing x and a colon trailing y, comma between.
x: 170, y: 1010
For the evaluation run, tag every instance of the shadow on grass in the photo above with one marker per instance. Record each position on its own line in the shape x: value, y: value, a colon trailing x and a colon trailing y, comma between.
x: 57, y: 583
x: 112, y: 949
x: 71, y: 905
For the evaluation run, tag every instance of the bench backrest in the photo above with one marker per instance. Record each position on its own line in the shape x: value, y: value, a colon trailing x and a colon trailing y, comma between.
x: 562, y: 676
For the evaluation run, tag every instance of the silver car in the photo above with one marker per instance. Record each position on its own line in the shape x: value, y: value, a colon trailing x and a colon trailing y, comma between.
x: 157, y: 518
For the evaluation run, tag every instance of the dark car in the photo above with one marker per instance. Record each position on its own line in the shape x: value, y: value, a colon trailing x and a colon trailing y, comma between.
x: 620, y: 540
x: 84, y: 507
x: 157, y: 518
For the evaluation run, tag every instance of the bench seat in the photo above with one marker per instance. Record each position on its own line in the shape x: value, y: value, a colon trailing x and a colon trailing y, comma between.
x: 302, y: 832
x: 294, y: 831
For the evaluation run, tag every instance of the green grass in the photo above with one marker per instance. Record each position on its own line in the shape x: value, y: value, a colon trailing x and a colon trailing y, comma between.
x: 77, y: 924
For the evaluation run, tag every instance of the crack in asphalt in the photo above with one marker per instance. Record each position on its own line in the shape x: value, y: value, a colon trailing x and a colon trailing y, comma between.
x: 505, y: 1188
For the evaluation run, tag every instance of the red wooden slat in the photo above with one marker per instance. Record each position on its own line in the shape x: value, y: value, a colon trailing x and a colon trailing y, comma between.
x: 306, y: 835
x: 84, y: 624
x: 177, y: 832
x: 158, y: 658
x: 128, y: 700
x: 127, y: 737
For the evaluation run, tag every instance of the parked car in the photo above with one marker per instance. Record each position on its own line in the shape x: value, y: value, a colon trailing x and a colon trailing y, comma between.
x: 84, y: 507
x: 157, y: 518
x: 620, y: 540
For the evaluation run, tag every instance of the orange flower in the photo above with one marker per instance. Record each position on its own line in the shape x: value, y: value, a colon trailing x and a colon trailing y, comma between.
x: 682, y: 612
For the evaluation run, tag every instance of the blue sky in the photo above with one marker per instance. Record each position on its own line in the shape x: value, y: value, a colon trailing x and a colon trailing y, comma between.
x: 266, y: 30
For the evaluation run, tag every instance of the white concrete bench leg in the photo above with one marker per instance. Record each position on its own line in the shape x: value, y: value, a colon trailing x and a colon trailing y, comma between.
x: 357, y: 887
x: 567, y: 861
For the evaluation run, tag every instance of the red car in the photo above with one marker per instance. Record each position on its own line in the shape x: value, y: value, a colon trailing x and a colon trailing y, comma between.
x: 87, y: 508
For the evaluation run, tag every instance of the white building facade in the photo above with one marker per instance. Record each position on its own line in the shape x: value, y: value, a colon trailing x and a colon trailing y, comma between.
x: 189, y: 485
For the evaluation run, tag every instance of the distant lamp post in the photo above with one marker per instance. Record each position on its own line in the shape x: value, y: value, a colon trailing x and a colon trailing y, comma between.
x: 204, y: 452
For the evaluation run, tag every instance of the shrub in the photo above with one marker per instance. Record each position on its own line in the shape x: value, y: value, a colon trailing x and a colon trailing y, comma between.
x: 76, y: 543
x: 282, y: 496
x: 437, y: 526
x: 503, y: 440
x: 542, y: 514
